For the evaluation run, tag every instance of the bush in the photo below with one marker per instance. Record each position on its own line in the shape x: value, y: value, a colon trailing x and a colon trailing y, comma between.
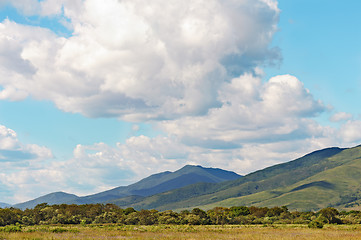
x: 11, y: 228
x: 315, y: 224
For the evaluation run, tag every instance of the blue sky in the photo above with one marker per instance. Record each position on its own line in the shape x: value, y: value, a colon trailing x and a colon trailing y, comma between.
x: 320, y: 45
x: 96, y: 95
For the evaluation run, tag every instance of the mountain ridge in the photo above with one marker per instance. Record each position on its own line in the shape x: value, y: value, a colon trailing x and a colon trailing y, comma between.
x: 154, y: 184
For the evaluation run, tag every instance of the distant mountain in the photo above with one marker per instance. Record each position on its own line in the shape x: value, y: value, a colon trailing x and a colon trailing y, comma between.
x: 4, y: 205
x: 330, y: 177
x: 162, y: 182
x: 151, y: 185
x: 52, y: 198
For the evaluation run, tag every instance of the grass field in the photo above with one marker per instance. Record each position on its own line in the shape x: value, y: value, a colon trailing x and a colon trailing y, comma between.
x: 185, y: 232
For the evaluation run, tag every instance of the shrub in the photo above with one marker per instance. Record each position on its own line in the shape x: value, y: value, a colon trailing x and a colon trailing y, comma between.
x: 315, y: 224
x: 11, y: 228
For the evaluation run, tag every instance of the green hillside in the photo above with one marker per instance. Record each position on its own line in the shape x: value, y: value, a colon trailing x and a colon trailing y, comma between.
x: 329, y: 177
x: 338, y: 187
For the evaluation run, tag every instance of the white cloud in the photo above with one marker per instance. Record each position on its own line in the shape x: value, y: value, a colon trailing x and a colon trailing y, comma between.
x: 18, y: 161
x: 138, y: 60
x: 70, y: 8
x: 45, y: 7
x: 10, y: 145
x: 252, y: 111
x: 350, y: 132
x: 8, y: 139
x: 27, y: 7
x: 340, y: 116
x: 137, y: 158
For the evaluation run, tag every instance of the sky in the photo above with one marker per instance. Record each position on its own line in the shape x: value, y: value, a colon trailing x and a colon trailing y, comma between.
x: 100, y: 94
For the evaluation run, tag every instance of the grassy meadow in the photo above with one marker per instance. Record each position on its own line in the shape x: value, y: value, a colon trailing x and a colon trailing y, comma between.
x: 114, y: 231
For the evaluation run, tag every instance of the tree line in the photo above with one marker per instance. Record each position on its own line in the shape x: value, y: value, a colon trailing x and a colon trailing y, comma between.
x: 110, y: 213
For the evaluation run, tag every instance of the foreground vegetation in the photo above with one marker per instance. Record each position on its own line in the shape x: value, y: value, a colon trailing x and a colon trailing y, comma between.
x: 115, y: 231
x: 110, y: 213
x: 98, y: 221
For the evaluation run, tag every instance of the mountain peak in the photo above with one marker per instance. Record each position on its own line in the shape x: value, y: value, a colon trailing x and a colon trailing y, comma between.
x: 51, y: 198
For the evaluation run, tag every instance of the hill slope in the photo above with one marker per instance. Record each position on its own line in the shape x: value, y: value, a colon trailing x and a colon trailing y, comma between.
x: 338, y: 187
x: 261, y: 183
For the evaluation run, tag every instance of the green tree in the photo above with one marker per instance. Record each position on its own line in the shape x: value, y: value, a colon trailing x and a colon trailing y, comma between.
x: 239, y: 211
x: 330, y: 215
x: 219, y: 215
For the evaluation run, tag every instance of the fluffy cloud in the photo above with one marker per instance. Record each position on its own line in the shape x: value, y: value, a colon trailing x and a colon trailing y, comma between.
x: 12, y: 150
x: 136, y: 60
x: 133, y: 60
x: 128, y: 162
x: 252, y: 111
x: 350, y: 132
x: 27, y: 7
x: 45, y: 7
x: 340, y: 116
x: 17, y: 161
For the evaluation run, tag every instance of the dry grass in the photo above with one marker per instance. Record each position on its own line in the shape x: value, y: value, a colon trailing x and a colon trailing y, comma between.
x: 186, y: 232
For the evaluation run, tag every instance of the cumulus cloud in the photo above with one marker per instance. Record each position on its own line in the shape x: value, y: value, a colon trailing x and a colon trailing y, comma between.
x: 27, y: 7
x: 136, y: 60
x: 252, y: 111
x: 11, y: 149
x: 18, y: 160
x: 340, y: 116
x: 350, y: 132
x: 44, y: 7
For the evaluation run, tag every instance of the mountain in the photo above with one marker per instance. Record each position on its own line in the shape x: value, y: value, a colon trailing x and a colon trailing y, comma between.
x: 151, y: 185
x: 4, y: 205
x: 52, y: 198
x: 328, y: 177
x: 162, y: 182
x: 338, y: 186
